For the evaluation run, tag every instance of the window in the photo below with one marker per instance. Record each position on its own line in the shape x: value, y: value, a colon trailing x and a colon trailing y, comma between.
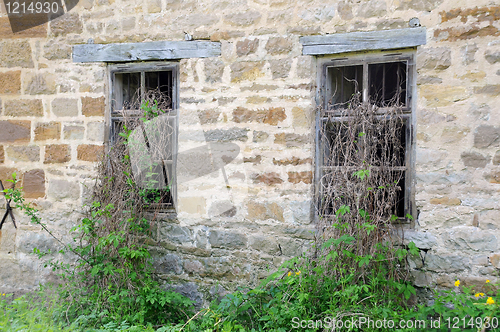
x: 153, y: 157
x: 365, y: 123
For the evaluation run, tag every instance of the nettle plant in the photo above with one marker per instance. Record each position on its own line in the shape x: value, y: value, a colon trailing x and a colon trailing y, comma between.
x: 111, y: 279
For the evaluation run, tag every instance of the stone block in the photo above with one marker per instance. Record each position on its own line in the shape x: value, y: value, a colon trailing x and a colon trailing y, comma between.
x: 90, y: 152
x: 264, y: 211
x: 299, y: 117
x: 422, y: 240
x: 208, y: 116
x: 176, y: 234
x: 279, y: 45
x: 224, y: 209
x: 258, y: 100
x: 2, y: 154
x: 271, y: 116
x: 39, y: 84
x: 6, y: 174
x: 296, y: 177
x: 7, y: 239
x: 65, y: 107
x: 193, y: 266
x: 93, y: 106
x: 490, y: 89
x: 62, y: 189
x: 280, y: 68
x: 471, y: 238
x: 292, y: 161
x: 495, y: 260
x: 24, y: 153
x: 492, y: 56
x: 37, y: 31
x: 168, y: 264
x: 66, y: 24
x: 47, y: 130
x: 441, y: 95
x: 23, y: 107
x: 474, y: 159
x: 446, y: 263
x: 192, y: 205
x: 265, y: 244
x: 227, y: 135
x: 16, y: 54
x: 227, y: 240
x: 10, y: 82
x: 254, y: 160
x: 496, y: 158
x: 290, y: 247
x: 246, y: 71
x: 190, y: 290
x: 55, y: 50
x: 259, y: 136
x: 421, y: 278
x: 438, y: 58
x: 73, y: 132
x: 243, y: 19
x: 213, y: 70
x: 291, y: 140
x: 28, y: 241
x: 34, y: 183
x: 12, y: 131
x: 486, y: 136
x: 95, y: 131
x: 372, y: 9
x: 445, y: 201
x: 454, y: 134
x: 270, y: 178
x: 57, y: 153
x: 419, y: 5
x: 468, y: 53
x: 247, y: 46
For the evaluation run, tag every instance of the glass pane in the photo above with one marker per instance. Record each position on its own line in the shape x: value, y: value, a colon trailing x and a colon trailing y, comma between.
x: 345, y: 82
x: 126, y: 91
x: 387, y: 82
x: 161, y: 83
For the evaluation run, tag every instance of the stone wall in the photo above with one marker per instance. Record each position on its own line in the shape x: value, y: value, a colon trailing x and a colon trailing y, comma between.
x: 259, y: 94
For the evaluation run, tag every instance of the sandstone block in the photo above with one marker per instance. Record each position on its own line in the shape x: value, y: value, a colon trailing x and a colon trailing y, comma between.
x: 247, y: 46
x: 495, y: 260
x: 227, y: 240
x: 73, y: 132
x: 62, y: 189
x: 292, y: 161
x: 89, y: 152
x: 176, y: 234
x: 25, y: 153
x: 57, y: 153
x: 300, y: 118
x: 468, y: 53
x: 66, y: 24
x: 24, y: 107
x: 474, y: 159
x: 7, y: 172
x: 490, y: 89
x: 270, y: 178
x: 446, y: 201
x: 213, y: 70
x: 260, y: 136
x: 95, y: 131
x: 264, y: 211
x: 486, y: 136
x: 47, y: 130
x: 55, y: 50
x: 419, y: 5
x: 280, y: 68
x: 271, y: 116
x: 12, y: 131
x: 208, y: 116
x: 243, y: 19
x: 296, y: 177
x: 496, y: 158
x: 34, y: 183
x: 279, y: 45
x: 193, y: 266
x: 291, y: 140
x: 2, y: 154
x: 33, y: 32
x: 65, y: 107
x: 246, y: 71
x: 439, y: 95
x: 93, y: 106
x: 192, y: 205
x: 10, y: 82
x: 15, y: 54
x: 438, y: 58
x: 40, y: 84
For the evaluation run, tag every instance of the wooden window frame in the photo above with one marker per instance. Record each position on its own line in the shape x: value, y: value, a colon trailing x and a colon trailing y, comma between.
x: 114, y: 116
x: 408, y: 112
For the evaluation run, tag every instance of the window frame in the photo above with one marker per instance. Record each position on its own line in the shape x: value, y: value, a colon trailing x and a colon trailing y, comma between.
x: 365, y: 58
x: 111, y: 116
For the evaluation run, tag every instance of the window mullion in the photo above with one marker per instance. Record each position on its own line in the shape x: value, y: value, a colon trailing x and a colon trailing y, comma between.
x: 365, y: 82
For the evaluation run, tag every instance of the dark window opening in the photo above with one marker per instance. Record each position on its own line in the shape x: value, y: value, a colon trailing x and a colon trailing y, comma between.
x: 387, y: 83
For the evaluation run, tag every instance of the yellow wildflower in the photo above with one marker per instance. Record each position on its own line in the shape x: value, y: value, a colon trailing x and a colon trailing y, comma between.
x: 457, y: 283
x: 297, y: 273
x: 476, y: 295
x: 289, y: 273
x: 490, y: 301
x: 487, y: 281
x: 479, y: 294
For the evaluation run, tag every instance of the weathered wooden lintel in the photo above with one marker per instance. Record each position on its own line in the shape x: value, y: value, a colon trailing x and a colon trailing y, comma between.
x: 159, y: 50
x: 363, y: 41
